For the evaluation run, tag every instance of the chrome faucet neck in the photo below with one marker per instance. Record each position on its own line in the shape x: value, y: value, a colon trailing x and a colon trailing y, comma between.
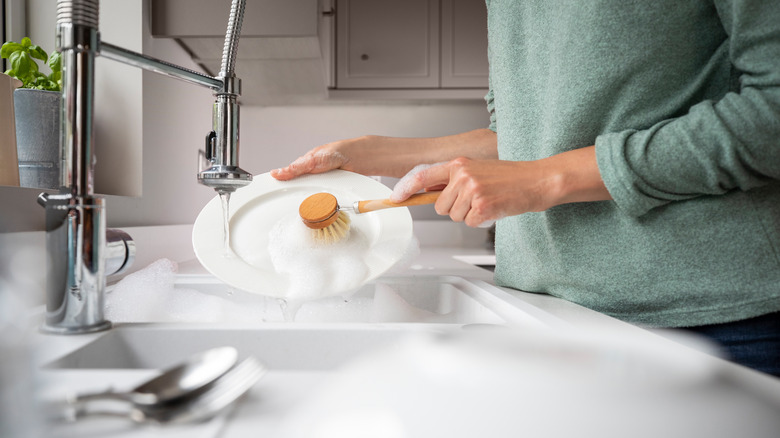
x: 75, y: 219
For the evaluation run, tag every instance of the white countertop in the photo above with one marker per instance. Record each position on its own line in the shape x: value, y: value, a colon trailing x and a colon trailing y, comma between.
x: 267, y: 405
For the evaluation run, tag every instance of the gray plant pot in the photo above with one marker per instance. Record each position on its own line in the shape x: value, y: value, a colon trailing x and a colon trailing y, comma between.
x: 37, y: 114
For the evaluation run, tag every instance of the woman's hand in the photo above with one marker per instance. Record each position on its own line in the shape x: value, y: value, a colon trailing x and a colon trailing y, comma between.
x: 389, y: 156
x: 367, y: 155
x: 479, y: 191
x: 318, y: 160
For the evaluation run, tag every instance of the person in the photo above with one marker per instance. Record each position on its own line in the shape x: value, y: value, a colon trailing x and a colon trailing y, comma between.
x: 632, y: 161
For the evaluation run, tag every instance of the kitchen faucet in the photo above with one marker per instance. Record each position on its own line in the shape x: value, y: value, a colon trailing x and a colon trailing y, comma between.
x: 80, y: 251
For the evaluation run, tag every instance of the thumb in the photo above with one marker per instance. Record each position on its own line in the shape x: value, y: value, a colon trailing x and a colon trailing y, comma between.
x: 421, y: 177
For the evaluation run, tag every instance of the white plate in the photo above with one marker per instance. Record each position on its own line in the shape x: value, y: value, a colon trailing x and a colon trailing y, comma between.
x: 257, y: 208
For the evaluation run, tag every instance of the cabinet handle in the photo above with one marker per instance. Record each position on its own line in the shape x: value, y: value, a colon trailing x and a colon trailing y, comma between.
x: 364, y: 57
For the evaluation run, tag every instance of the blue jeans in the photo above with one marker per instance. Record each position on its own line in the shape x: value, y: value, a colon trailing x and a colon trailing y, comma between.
x: 754, y: 342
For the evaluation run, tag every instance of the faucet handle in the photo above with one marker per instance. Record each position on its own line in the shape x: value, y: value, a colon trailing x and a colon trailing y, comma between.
x: 220, y: 177
x: 43, y: 198
x: 206, y: 156
x: 211, y: 146
x: 120, y: 251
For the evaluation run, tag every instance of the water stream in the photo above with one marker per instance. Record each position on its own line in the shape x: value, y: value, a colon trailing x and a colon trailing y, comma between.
x: 225, y: 198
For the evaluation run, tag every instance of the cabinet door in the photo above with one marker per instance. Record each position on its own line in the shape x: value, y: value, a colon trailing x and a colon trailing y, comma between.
x: 464, y: 60
x: 387, y: 44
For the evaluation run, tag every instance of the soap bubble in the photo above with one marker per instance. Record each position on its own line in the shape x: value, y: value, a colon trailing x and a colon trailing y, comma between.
x: 316, y: 269
x: 151, y: 295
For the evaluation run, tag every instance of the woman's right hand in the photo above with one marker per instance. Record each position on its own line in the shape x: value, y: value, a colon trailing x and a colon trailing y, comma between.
x: 389, y: 156
x: 367, y: 155
x: 318, y: 160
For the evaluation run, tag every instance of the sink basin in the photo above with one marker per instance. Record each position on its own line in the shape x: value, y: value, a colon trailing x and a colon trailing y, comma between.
x: 484, y: 261
x: 419, y: 299
x: 280, y: 346
x: 325, y: 334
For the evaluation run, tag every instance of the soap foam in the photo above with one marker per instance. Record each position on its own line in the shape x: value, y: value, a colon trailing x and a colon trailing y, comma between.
x: 405, y: 186
x: 150, y: 295
x: 140, y: 296
x: 314, y: 269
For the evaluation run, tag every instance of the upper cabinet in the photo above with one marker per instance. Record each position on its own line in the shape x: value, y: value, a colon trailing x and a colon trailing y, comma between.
x: 208, y: 18
x: 300, y: 51
x: 280, y: 57
x: 382, y: 44
x: 432, y: 48
x: 464, y: 61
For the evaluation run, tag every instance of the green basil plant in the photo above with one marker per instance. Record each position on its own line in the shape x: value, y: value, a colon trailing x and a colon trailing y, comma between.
x: 22, y: 58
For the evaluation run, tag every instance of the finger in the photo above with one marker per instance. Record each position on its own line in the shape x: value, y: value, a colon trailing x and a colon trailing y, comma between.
x: 298, y: 167
x: 480, y: 218
x: 486, y: 224
x: 446, y: 200
x: 283, y: 174
x: 414, y: 182
x: 321, y: 161
x: 312, y: 162
x: 460, y: 208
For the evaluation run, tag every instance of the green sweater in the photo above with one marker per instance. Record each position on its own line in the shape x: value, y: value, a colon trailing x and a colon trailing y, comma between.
x: 682, y: 100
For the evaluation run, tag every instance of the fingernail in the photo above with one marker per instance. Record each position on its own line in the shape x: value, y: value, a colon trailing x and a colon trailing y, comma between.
x: 486, y: 224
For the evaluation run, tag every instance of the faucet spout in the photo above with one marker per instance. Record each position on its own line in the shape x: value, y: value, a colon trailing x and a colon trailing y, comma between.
x: 224, y: 175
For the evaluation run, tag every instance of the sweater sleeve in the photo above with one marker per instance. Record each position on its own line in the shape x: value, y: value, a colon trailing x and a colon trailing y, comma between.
x: 491, y: 107
x: 489, y: 97
x: 732, y: 143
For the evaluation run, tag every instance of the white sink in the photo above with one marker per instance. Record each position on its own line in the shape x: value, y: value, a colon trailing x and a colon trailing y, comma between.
x: 325, y: 334
x: 280, y: 347
x: 432, y: 299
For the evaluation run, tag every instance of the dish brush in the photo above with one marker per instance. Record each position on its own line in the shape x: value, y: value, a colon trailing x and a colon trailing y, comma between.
x: 329, y: 221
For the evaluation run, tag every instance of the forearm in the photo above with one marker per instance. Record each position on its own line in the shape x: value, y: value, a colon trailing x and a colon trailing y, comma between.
x: 390, y: 156
x: 395, y: 156
x: 574, y: 176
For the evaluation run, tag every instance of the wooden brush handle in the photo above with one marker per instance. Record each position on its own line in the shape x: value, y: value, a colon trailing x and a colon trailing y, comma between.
x: 380, y: 204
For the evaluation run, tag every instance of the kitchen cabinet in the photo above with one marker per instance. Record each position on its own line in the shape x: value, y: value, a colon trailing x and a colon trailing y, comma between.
x: 279, y: 54
x: 381, y: 44
x: 298, y: 51
x: 464, y: 61
x: 411, y: 44
x: 207, y: 18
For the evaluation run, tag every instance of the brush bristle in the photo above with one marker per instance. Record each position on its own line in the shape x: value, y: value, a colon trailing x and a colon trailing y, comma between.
x: 334, y: 232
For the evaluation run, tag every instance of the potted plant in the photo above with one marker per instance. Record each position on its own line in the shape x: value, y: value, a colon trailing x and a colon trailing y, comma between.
x: 37, y: 112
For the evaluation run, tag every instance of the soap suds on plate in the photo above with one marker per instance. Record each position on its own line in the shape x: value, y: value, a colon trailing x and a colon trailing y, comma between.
x: 313, y: 269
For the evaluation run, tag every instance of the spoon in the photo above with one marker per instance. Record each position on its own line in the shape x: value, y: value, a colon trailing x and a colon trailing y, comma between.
x: 212, y: 400
x: 174, y: 383
x: 226, y: 390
